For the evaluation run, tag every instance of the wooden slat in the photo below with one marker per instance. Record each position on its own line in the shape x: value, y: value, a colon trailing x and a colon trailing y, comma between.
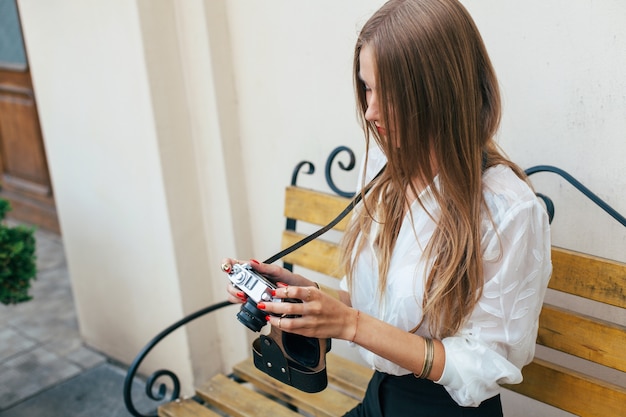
x: 185, y: 408
x: 583, y: 336
x: 348, y: 376
x: 239, y: 401
x: 328, y: 403
x: 318, y: 255
x: 571, y: 391
x: 314, y: 207
x: 589, y: 276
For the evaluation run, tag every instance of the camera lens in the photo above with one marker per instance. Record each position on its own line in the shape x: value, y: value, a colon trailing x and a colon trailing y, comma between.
x: 251, y: 316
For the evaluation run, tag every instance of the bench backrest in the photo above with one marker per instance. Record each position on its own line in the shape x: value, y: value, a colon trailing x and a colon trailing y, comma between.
x: 598, y: 341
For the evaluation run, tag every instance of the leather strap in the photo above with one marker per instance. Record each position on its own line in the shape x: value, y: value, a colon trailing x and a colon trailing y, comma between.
x: 269, y: 356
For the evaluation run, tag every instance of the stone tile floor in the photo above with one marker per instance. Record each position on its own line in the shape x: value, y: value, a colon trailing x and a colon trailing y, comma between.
x: 42, y: 357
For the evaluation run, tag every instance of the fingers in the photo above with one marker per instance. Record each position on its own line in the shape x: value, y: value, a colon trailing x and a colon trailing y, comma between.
x: 319, y: 315
x: 309, y: 306
x: 305, y: 325
x: 269, y: 271
x: 235, y: 295
x: 287, y: 282
x: 305, y: 294
x: 227, y: 264
x: 272, y: 271
x: 289, y: 324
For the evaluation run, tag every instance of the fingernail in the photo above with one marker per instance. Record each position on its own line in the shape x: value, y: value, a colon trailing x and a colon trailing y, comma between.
x: 241, y: 295
x: 254, y: 261
x: 267, y: 318
x: 281, y: 284
x: 273, y: 293
x: 261, y: 306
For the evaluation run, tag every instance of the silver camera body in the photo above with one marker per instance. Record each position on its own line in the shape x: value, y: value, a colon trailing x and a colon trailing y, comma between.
x: 257, y: 287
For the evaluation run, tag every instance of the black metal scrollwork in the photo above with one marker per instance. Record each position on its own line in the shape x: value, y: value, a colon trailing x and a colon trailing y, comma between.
x: 349, y: 167
x: 579, y: 186
x: 162, y: 390
x: 298, y: 168
x: 328, y: 170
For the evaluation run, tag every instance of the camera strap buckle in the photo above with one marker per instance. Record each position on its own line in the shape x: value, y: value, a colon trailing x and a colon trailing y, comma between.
x: 295, y: 360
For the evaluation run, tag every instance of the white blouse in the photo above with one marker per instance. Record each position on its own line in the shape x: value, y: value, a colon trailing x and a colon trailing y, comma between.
x: 498, y: 339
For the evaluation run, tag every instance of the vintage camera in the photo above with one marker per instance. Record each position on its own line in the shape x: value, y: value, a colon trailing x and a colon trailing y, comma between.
x: 296, y: 360
x: 257, y: 288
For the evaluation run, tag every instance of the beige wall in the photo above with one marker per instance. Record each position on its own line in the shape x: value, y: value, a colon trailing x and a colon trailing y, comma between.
x: 128, y: 104
x: 560, y: 65
x: 172, y: 128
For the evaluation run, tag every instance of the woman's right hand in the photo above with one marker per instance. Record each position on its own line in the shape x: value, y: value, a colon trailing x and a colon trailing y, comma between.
x: 278, y: 275
x: 235, y: 295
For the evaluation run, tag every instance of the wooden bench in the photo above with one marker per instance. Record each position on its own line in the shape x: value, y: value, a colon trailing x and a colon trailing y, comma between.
x: 249, y: 392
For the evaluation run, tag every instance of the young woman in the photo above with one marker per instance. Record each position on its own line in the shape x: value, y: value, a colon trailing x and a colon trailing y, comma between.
x: 448, y: 257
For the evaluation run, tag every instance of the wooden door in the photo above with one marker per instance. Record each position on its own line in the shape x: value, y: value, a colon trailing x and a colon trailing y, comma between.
x: 24, y: 177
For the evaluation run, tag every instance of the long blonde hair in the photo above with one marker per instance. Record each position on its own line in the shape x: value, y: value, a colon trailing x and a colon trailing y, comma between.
x: 440, y: 103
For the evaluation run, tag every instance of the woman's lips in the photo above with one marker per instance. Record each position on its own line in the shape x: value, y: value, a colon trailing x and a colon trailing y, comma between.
x: 381, y: 130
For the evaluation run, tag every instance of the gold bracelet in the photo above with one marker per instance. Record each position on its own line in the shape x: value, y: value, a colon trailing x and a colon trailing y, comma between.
x: 423, y: 362
x: 356, y: 326
x: 429, y: 354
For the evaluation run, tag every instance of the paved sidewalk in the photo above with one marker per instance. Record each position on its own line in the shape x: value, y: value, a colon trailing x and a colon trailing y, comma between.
x: 45, y: 368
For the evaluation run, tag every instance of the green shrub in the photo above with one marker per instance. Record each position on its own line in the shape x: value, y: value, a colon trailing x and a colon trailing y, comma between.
x: 17, y: 259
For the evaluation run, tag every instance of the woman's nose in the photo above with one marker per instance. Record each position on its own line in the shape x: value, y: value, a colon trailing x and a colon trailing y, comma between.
x: 371, y: 114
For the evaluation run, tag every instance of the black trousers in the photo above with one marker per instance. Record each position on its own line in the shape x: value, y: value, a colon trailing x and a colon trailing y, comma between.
x: 399, y: 396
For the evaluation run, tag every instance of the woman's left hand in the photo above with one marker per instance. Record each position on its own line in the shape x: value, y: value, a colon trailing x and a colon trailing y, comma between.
x: 319, y: 315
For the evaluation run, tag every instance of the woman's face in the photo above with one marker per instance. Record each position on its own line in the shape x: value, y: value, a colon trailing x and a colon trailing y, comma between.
x: 368, y: 75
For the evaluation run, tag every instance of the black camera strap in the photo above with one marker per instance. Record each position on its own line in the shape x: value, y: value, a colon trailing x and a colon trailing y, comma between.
x: 295, y: 360
x: 355, y: 200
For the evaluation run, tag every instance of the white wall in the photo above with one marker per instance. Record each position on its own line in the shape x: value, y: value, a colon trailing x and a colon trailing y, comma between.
x: 172, y: 128
x: 561, y: 68
x: 293, y: 71
x: 560, y: 65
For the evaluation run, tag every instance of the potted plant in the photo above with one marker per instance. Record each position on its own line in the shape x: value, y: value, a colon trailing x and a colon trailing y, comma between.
x: 17, y: 259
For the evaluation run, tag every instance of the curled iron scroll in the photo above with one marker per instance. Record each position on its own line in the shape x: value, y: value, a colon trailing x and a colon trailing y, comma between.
x: 348, y: 167
x: 298, y: 168
x: 152, y: 380
x: 162, y: 389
